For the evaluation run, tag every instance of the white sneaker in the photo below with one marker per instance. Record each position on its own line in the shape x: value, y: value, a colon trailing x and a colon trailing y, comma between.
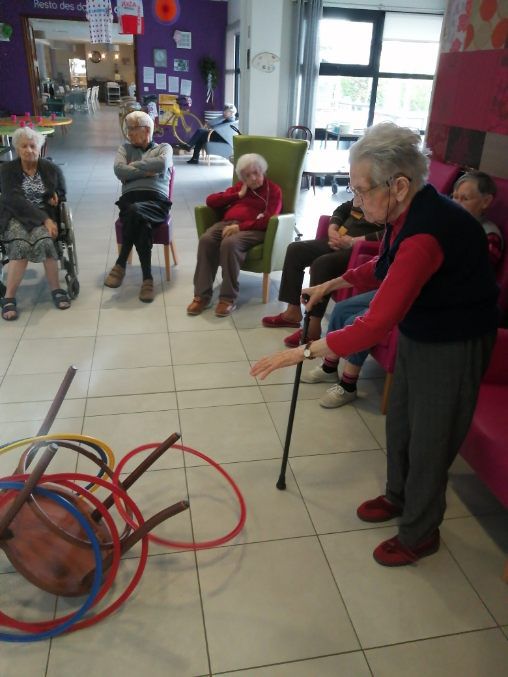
x: 317, y: 375
x: 336, y: 396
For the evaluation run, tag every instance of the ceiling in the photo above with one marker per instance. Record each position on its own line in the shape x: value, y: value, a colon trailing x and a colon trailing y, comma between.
x: 71, y: 31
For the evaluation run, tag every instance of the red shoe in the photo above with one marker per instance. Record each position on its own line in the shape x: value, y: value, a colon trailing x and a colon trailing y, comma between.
x: 278, y: 321
x: 392, y: 553
x: 378, y: 510
x: 294, y: 339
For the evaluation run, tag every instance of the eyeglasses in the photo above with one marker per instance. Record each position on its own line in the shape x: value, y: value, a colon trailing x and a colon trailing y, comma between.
x: 133, y: 129
x: 360, y: 193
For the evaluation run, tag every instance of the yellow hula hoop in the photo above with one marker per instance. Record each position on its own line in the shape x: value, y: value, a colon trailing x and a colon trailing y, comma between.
x: 72, y: 437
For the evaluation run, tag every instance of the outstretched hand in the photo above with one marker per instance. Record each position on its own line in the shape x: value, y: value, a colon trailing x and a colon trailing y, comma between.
x: 286, y: 358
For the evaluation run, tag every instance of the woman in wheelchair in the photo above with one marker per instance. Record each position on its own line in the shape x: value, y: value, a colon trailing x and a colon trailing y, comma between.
x: 31, y: 190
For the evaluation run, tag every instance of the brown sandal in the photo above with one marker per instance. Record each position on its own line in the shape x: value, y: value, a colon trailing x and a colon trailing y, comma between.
x: 146, y: 293
x: 115, y: 277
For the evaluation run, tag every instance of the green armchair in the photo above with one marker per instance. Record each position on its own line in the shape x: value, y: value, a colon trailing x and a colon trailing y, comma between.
x: 285, y: 160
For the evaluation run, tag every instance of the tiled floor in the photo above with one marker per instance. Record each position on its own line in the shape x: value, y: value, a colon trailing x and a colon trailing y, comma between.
x: 297, y: 593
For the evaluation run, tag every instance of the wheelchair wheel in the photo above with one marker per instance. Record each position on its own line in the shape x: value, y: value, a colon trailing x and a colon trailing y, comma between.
x: 69, y: 242
x: 72, y: 286
x: 185, y: 125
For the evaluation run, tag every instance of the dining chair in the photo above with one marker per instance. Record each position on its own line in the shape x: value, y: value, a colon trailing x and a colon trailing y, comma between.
x: 300, y: 132
x: 161, y: 234
x: 285, y: 161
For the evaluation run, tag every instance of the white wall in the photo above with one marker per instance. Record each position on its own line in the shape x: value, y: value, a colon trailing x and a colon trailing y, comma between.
x: 263, y: 96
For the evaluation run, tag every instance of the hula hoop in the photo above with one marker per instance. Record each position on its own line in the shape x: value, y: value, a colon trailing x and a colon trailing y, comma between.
x: 134, y: 582
x: 66, y: 625
x: 183, y: 544
x: 92, y: 441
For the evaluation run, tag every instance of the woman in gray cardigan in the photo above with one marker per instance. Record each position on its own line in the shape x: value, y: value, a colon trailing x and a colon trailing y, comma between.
x: 31, y: 189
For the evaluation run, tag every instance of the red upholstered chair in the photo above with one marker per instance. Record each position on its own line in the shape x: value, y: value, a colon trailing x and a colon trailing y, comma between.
x: 162, y: 234
x: 443, y: 176
x: 485, y: 445
x: 498, y: 214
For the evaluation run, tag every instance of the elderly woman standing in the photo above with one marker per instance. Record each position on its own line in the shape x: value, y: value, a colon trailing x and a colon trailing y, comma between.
x: 31, y: 189
x: 436, y: 283
x: 248, y: 206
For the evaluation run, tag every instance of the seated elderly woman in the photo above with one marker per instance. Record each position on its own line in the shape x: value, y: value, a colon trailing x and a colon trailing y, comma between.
x: 143, y: 168
x: 247, y: 207
x: 440, y: 290
x: 222, y: 130
x: 31, y: 189
x: 475, y: 191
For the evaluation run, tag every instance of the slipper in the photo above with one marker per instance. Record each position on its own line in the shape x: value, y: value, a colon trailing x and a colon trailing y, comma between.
x: 146, y: 293
x: 278, y: 321
x: 9, y: 306
x: 61, y: 299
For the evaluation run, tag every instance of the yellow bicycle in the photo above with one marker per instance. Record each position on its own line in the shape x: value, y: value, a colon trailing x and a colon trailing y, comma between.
x: 173, y: 112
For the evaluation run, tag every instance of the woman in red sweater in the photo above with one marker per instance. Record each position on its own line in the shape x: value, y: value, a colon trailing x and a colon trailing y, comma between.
x: 247, y: 207
x: 439, y: 288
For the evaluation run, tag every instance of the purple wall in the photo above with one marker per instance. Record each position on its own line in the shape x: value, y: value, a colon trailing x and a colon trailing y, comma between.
x: 206, y: 20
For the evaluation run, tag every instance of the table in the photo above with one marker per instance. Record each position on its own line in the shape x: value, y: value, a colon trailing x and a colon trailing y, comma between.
x: 46, y: 121
x: 6, y: 131
x: 333, y: 163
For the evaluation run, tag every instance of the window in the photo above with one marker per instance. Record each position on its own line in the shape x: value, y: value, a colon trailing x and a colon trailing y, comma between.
x: 376, y: 66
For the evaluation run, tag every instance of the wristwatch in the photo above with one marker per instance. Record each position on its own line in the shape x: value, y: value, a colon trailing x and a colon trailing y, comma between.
x: 306, y: 352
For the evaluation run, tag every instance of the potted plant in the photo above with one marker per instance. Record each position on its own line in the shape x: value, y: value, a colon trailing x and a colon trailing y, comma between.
x: 208, y: 69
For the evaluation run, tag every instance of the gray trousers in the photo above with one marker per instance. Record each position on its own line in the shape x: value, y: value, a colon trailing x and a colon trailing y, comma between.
x: 433, y: 398
x: 229, y: 253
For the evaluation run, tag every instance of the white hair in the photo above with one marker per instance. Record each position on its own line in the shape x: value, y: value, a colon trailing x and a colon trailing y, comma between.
x: 138, y: 118
x: 27, y: 133
x: 231, y: 107
x: 392, y: 151
x: 248, y: 160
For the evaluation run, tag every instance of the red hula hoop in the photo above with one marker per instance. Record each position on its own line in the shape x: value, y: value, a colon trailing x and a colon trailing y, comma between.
x: 182, y: 544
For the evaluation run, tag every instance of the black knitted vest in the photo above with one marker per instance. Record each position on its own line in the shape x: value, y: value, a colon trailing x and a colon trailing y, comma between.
x: 459, y: 301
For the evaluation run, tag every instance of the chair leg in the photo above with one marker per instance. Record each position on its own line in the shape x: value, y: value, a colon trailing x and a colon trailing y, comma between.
x: 386, y: 392
x: 266, y: 287
x: 167, y: 263
x: 173, y: 252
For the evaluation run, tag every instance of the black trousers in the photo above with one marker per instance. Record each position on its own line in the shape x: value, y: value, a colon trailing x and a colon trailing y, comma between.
x: 138, y: 217
x: 325, y: 264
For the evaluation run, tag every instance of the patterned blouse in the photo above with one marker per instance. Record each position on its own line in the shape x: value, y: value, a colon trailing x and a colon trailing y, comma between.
x: 34, y: 189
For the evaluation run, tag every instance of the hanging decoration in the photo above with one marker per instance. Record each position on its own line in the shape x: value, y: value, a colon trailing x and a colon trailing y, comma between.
x: 130, y: 17
x: 166, y: 11
x: 100, y: 18
x: 208, y: 69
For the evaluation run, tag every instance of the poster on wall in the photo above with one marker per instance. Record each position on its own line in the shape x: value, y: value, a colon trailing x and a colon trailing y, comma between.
x: 183, y: 39
x: 160, y: 58
x: 148, y: 75
x: 185, y: 87
x: 181, y: 65
x: 173, y: 84
x: 160, y: 81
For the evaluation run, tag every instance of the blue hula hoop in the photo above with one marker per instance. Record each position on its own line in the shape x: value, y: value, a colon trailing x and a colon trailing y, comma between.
x: 96, y: 583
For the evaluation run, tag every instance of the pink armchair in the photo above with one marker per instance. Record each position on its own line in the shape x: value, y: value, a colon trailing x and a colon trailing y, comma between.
x: 162, y: 234
x: 485, y: 447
